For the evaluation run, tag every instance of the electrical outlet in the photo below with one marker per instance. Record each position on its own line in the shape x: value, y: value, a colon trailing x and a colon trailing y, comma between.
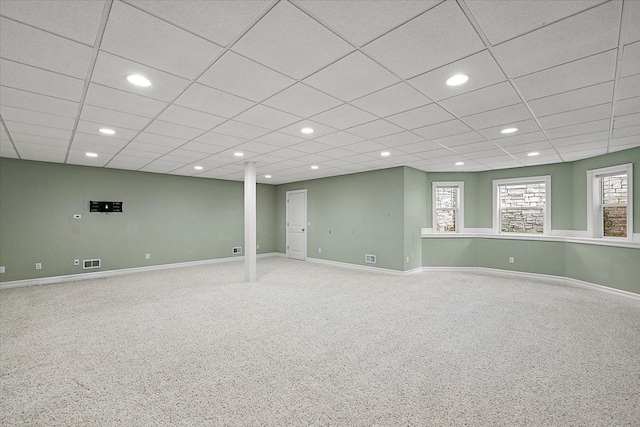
x: 1, y: 268
x: 407, y: 260
x: 38, y: 266
x: 76, y: 262
x: 257, y: 246
x: 319, y: 250
x: 148, y: 256
x: 511, y: 260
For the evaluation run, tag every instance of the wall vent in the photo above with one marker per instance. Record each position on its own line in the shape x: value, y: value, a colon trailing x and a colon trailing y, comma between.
x: 237, y: 250
x: 90, y: 263
x: 371, y: 259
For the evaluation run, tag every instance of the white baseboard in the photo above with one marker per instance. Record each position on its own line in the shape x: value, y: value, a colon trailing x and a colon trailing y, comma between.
x: 111, y: 273
x: 562, y: 279
x: 356, y: 266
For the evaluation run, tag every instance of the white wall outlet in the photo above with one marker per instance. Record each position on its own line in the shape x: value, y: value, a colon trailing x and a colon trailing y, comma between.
x: 76, y: 262
x: 257, y: 246
x: 77, y: 216
x: 148, y: 256
x: 407, y: 260
x: 1, y: 268
x: 319, y: 250
x: 237, y: 250
x: 38, y: 266
x: 511, y: 260
x: 308, y: 223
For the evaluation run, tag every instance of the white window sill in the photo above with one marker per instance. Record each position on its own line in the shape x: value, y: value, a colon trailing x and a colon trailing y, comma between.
x: 428, y: 233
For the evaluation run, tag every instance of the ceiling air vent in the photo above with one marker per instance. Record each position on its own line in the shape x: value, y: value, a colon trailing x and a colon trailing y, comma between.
x: 371, y: 259
x: 90, y: 263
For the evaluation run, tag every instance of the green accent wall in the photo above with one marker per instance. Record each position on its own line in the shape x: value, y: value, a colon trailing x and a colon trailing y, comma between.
x: 415, y: 215
x: 172, y: 218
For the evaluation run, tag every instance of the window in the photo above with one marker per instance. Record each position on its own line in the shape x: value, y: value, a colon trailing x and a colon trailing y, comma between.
x: 448, y: 213
x: 610, y: 213
x: 522, y: 205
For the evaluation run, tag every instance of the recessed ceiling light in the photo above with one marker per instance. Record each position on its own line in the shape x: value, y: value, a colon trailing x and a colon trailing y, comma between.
x: 306, y: 130
x: 107, y: 131
x: 267, y: 176
x: 238, y: 154
x: 314, y: 167
x: 458, y: 79
x: 138, y: 80
x: 91, y: 155
x: 509, y: 130
x: 459, y: 163
x: 533, y: 154
x: 198, y: 168
x: 385, y: 154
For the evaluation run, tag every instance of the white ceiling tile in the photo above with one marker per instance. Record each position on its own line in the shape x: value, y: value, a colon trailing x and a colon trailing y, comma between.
x: 339, y: 139
x: 171, y: 129
x: 392, y: 100
x: 520, y: 139
x: 631, y: 59
x: 256, y: 147
x: 42, y: 153
x: 92, y: 129
x: 145, y: 156
x: 30, y: 129
x: 318, y: 129
x: 499, y: 116
x: 460, y: 139
x: 421, y: 147
x: 113, y: 119
x: 628, y: 106
x: 581, y: 35
x: 582, y: 147
x: 147, y: 147
x: 474, y: 147
x: 580, y: 139
x: 37, y: 48
x: 625, y: 121
x: 523, y: 126
x: 626, y: 131
x: 241, y: 130
x: 477, y: 101
x: 573, y: 100
x: 362, y: 21
x: 157, y: 44
x: 439, y: 130
x: 219, y: 139
x: 338, y: 153
x: 573, y: 117
x: 218, y: 21
x: 629, y: 87
x: 113, y: 99
x: 574, y: 75
x: 279, y: 139
x: 124, y: 162
x: 583, y: 154
x: 161, y: 166
x: 344, y: 116
x: 310, y: 147
x: 237, y: 75
x: 540, y: 160
x: 289, y: 41
x: 376, y: 129
x: 212, y: 101
x: 266, y: 117
x: 491, y: 154
x: 444, y: 22
x: 290, y: 155
x: 7, y: 150
x: 481, y: 69
x: 397, y: 139
x: 188, y: 155
x: 202, y: 147
x: 69, y: 18
x: 111, y: 70
x: 366, y: 147
x: 162, y: 140
x: 35, y: 118
x: 36, y: 102
x: 352, y: 77
x: 627, y: 141
x: 105, y: 147
x: 188, y: 117
x: 440, y: 155
x: 527, y: 148
x: 39, y: 140
x: 501, y: 20
x: 19, y: 76
x: 302, y: 100
x: 420, y: 117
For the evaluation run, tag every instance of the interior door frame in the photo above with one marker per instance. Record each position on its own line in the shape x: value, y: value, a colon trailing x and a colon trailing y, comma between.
x: 286, y: 226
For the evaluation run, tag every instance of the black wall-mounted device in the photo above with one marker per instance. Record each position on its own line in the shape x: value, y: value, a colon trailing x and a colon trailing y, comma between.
x: 106, y: 207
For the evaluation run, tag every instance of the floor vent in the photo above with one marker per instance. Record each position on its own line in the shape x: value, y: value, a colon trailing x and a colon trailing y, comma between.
x: 237, y: 250
x: 90, y: 263
x: 371, y: 259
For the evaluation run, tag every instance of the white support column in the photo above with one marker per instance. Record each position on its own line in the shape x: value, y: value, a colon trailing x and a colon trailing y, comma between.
x: 250, y: 239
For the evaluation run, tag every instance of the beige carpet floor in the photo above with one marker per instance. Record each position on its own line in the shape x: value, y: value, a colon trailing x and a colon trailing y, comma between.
x: 311, y: 344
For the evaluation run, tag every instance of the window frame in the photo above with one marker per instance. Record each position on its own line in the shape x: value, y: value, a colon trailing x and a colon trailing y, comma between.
x: 546, y: 210
x: 595, y: 223
x: 459, y: 215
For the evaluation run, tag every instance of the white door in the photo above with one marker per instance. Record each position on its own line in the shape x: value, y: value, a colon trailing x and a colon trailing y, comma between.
x: 297, y: 224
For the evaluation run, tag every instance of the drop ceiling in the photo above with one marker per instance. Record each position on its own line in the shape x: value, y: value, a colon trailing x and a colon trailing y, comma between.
x: 367, y: 76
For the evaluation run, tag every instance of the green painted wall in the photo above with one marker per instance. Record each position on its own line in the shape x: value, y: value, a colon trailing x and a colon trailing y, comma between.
x: 449, y: 252
x: 415, y: 215
x: 173, y: 218
x: 352, y: 215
